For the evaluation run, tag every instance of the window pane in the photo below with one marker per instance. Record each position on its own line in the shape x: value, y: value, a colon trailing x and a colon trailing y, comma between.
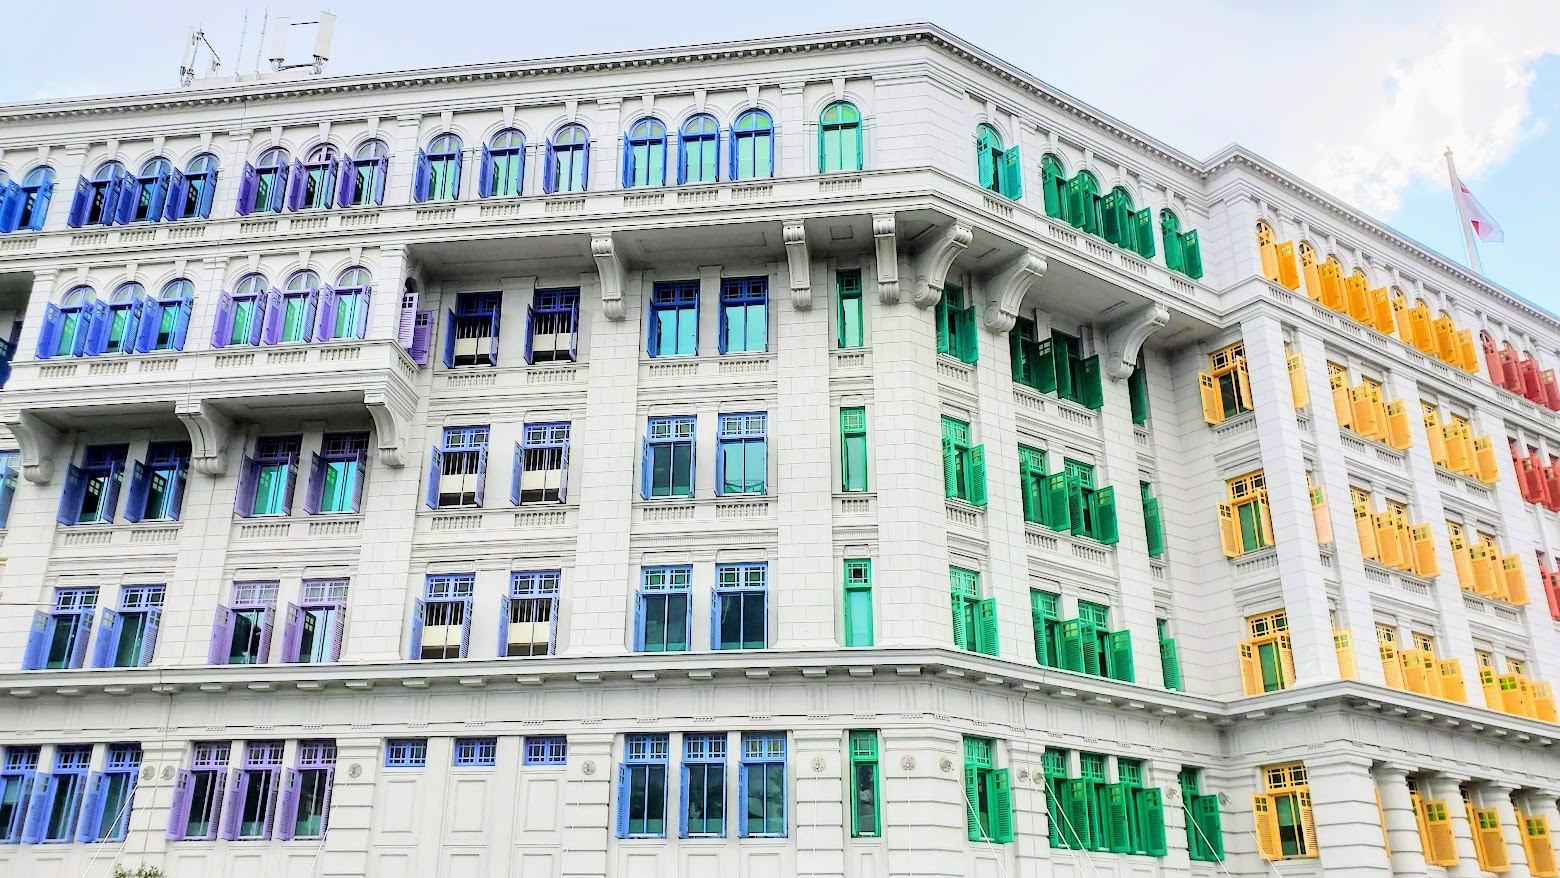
x: 854, y: 464
x: 865, y: 799
x: 850, y: 322
x: 132, y: 627
x: 753, y: 621
x: 858, y: 617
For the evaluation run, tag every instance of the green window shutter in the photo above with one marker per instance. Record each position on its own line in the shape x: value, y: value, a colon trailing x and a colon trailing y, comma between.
x: 1090, y: 391
x: 1156, y: 536
x: 1137, y: 393
x: 1080, y: 795
x: 1112, y: 215
x: 1143, y: 232
x: 1174, y: 260
x: 1055, y: 820
x: 986, y: 626
x: 1002, y: 805
x: 1121, y: 657
x: 971, y: 796
x: 1056, y: 510
x: 944, y: 338
x: 1043, y: 365
x: 964, y: 322
x: 1090, y: 208
x: 1042, y: 647
x: 1205, y: 813
x: 985, y: 163
x: 1089, y: 646
x: 1105, y: 529
x: 1031, y: 477
x: 977, y: 475
x: 1062, y: 365
x: 1191, y: 255
x: 950, y: 469
x: 1016, y: 358
x: 1075, y: 503
x: 961, y: 631
x: 1054, y: 187
x: 1170, y: 663
x: 1072, y: 645
x: 1152, y: 820
x: 1118, y: 798
x: 1075, y: 201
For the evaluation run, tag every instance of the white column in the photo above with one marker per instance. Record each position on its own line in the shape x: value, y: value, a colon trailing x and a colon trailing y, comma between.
x: 1448, y: 789
x: 1498, y: 796
x: 1402, y: 826
x: 1348, y: 829
x: 822, y: 823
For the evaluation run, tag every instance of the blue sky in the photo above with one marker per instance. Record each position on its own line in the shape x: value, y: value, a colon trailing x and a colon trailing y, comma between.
x: 1359, y: 99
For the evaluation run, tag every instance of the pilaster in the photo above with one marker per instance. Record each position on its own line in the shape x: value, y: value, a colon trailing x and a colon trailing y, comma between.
x: 1348, y: 830
x: 1397, y: 809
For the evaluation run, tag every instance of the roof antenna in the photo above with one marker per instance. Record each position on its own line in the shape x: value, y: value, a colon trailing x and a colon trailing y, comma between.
x: 196, y: 38
x: 325, y: 27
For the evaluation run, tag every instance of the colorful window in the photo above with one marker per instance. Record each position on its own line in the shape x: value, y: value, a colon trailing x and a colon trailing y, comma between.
x: 662, y: 609
x: 839, y: 138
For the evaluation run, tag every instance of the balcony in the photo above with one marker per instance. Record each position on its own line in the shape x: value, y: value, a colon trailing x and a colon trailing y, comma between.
x: 208, y: 390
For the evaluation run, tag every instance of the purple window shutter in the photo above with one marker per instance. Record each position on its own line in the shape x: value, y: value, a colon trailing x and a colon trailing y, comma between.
x: 107, y: 640
x: 181, y: 323
x: 292, y: 632
x: 275, y: 311
x: 328, y: 183
x: 530, y: 330
x: 49, y: 333
x: 91, y: 809
x: 148, y: 319
x: 419, y: 614
x: 279, y: 191
x: 222, y: 327
x: 208, y: 195
x: 346, y: 183
x: 420, y: 175
x: 382, y: 170
x: 338, y: 625
x: 287, y: 806
x: 70, y: 496
x: 38, y: 638
x: 297, y: 178
x: 99, y: 320
x: 179, y: 808
x: 221, y: 637
x: 116, y: 477
x: 257, y: 319
x: 325, y: 315
x: 177, y: 505
x: 585, y: 171
x: 563, y: 476
x: 80, y: 204
x: 330, y: 782
x: 574, y: 332
x: 215, y: 809
x: 550, y: 171
x: 140, y: 482
x: 360, y: 477
x: 485, y: 174
x: 362, y: 312
x: 493, y: 326
x: 482, y: 456
x: 503, y: 625
x: 159, y: 199
x: 233, y: 806
x: 267, y: 624
x: 248, y: 484
x: 517, y: 472
x: 292, y: 486
x: 178, y: 191
x: 422, y: 337
x: 128, y: 197
x: 149, y: 636
x: 311, y: 500
x: 78, y: 648
x: 38, y: 809
x: 465, y: 629
x: 248, y: 186
x: 435, y: 469
x: 311, y: 312
x: 408, y: 319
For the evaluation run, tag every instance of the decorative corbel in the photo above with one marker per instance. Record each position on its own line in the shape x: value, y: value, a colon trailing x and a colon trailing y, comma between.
x: 887, y: 258
x: 210, y: 431
x: 795, y: 236
x: 389, y: 426
x: 932, y: 264
x: 1125, y: 339
x: 610, y: 268
x: 1008, y: 287
x: 38, y: 443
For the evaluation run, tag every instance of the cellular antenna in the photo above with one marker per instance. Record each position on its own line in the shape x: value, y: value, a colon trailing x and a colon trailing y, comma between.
x: 324, y: 31
x: 195, y: 39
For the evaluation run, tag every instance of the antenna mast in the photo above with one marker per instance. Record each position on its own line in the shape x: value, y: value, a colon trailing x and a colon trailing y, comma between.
x: 324, y: 31
x: 196, y: 38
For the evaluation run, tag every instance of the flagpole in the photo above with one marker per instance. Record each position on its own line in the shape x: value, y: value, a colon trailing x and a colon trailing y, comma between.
x: 1462, y: 218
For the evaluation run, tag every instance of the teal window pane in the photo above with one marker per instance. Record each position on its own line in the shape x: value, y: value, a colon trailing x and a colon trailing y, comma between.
x: 116, y: 806
x: 346, y: 316
x: 116, y: 330
x: 244, y: 315
x: 270, y: 490
x: 858, y: 617
x: 167, y: 317
x: 851, y: 335
x: 62, y: 811
x: 340, y: 486
x: 70, y: 324
x: 666, y: 622
x: 132, y: 630
x: 293, y: 322
x: 62, y: 644
x: 853, y: 466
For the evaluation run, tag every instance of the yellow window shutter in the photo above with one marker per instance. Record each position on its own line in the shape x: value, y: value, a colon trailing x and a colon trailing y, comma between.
x: 1452, y: 686
x: 1437, y: 440
x: 1267, y: 828
x: 1400, y: 311
x: 1243, y: 383
x: 1389, y: 549
x: 1540, y: 849
x: 1516, y: 583
x: 1286, y: 660
x: 1462, y: 559
x: 1425, y: 561
x: 1446, y: 340
x: 1341, y: 404
x: 1419, y: 323
x: 1381, y: 818
x: 1398, y: 434
x: 1319, y: 512
x: 1406, y: 542
x: 1362, y: 523
x: 1544, y: 702
x: 1492, y: 697
x: 1364, y: 411
x: 1332, y: 287
x: 1213, y: 405
x: 1456, y: 448
x: 1391, y: 665
x: 1297, y: 386
x: 1492, y: 844
x: 1516, y: 694
x: 1484, y: 460
x: 1229, y: 531
x: 1308, y: 824
x: 1468, y: 349
x: 1357, y: 292
x: 1382, y: 316
x: 1250, y: 669
x: 1441, y: 849
x: 1266, y: 517
x: 1313, y: 282
x: 1348, y: 666
x: 1485, y: 580
x: 1420, y: 673
x: 1269, y: 260
x: 1288, y: 274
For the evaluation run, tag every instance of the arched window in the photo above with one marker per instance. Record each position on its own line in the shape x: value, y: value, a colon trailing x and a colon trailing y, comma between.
x: 22, y: 206
x: 988, y: 157
x: 299, y: 304
x: 192, y: 196
x: 503, y: 165
x: 1183, y: 252
x: 644, y: 154
x: 97, y: 199
x: 314, y: 182
x: 115, y: 333
x: 437, y: 176
x: 1084, y: 202
x: 177, y: 289
x: 1307, y: 254
x: 241, y: 316
x: 1264, y: 234
x: 145, y: 196
x: 270, y: 182
x: 752, y: 146
x: 839, y: 138
x: 66, y: 327
x: 1127, y: 227
x: 364, y: 175
x: 1053, y: 182
x: 344, y: 310
x: 568, y: 160
x: 698, y: 149
x: 165, y: 319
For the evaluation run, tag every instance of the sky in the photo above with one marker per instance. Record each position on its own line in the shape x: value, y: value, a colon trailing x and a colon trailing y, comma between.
x: 1358, y: 98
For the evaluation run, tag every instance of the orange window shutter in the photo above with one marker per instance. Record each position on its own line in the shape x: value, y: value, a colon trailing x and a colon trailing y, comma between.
x: 1313, y: 282
x: 1212, y: 404
x: 1267, y: 828
x: 1452, y: 686
x: 1297, y: 386
x: 1446, y: 340
x: 1492, y: 697
x: 1358, y: 295
x: 1363, y: 410
x: 1389, y: 549
x: 1492, y: 841
x: 1406, y: 544
x: 1288, y: 274
x: 1483, y: 562
x: 1515, y: 580
x: 1269, y: 260
x: 1425, y: 562
x: 1342, y: 405
x: 1432, y: 675
x: 1286, y: 660
x: 1391, y: 665
x: 1540, y: 848
x: 1381, y: 817
x: 1366, y: 529
x: 1399, y: 435
x: 1332, y: 287
x: 1229, y: 531
x: 1419, y: 323
x: 1308, y: 823
x: 1382, y: 316
x: 1544, y: 702
x: 1485, y: 466
x: 1243, y: 382
x: 1250, y: 669
x: 1323, y: 518
x: 1456, y: 448
x: 1442, y: 847
x: 1419, y: 672
x: 1400, y: 311
x: 1348, y: 665
x: 1512, y: 698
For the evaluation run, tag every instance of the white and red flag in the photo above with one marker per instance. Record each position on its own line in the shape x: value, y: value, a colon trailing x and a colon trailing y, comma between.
x: 1475, y: 215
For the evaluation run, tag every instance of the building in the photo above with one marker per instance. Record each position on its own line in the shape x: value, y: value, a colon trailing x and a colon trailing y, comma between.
x: 567, y: 468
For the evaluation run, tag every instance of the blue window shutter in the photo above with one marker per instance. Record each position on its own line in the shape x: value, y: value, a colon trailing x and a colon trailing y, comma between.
x: 682, y: 161
x: 248, y: 190
x: 485, y: 174
x: 80, y: 204
x: 292, y: 485
x: 552, y: 625
x: 107, y: 640
x: 697, y: 297
x: 360, y: 476
x: 91, y: 809
x: 419, y: 615
x: 682, y: 812
x: 720, y: 333
x: 147, y: 319
x: 222, y: 325
x: 316, y: 489
x: 274, y: 314
x: 639, y: 620
x: 208, y: 195
x: 733, y: 146
x: 435, y: 469
x: 720, y: 468
x: 78, y: 651
x: 346, y: 183
x: 361, y: 329
x: 652, y: 337
x: 38, y: 637
x: 248, y: 484
x: 159, y: 199
x: 324, y: 328
x: 70, y: 495
x: 530, y: 329
x: 574, y: 333
x: 585, y: 171
x: 278, y: 193
x: 11, y: 201
x: 622, y: 802
x: 140, y: 482
x: 449, y: 340
x: 49, y: 333
x: 40, y: 209
x: 481, y: 473
x: 563, y: 476
x: 116, y: 477
x: 715, y: 603
x: 127, y: 196
x: 550, y: 171
x: 644, y: 468
x: 149, y: 635
x: 460, y: 162
x: 503, y: 627
x: 628, y: 163
x: 514, y: 481
x: 420, y: 174
x: 96, y: 321
x: 465, y: 629
x: 38, y: 809
x: 382, y: 170
x: 328, y: 183
x: 257, y: 320
x: 493, y: 326
x: 742, y: 800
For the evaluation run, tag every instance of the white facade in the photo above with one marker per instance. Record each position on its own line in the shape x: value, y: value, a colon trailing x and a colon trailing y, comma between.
x: 912, y: 221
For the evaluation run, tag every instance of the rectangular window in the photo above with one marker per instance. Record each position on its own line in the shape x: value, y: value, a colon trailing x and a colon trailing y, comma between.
x: 742, y: 454
x: 1266, y: 660
x: 641, y: 805
x: 858, y: 602
x: 1245, y: 524
x: 1226, y: 386
x: 1090, y: 647
x: 471, y: 338
x: 441, y: 620
x: 198, y: 793
x: 666, y: 466
x: 528, y: 617
x: 128, y: 637
x: 674, y: 319
x: 343, y: 313
x: 336, y: 478
x: 298, y: 313
x: 964, y: 466
x: 956, y: 326
x: 744, y: 315
x: 1091, y: 511
x: 58, y: 639
x: 739, y: 618
x: 865, y: 820
x: 267, y: 480
x: 974, y: 619
x: 10, y: 468
x: 1034, y: 484
x: 1045, y: 610
x: 17, y: 777
x: 305, y: 796
x: 761, y: 785
x: 476, y: 752
x: 546, y: 750
x: 91, y: 492
x: 662, y: 613
x: 853, y: 449
x: 312, y: 632
x: 1204, y: 830
x: 242, y: 633
x: 704, y: 786
x: 247, y: 319
x: 157, y: 485
x: 406, y: 753
x: 852, y: 332
x: 1284, y: 823
x: 457, y: 470
x: 252, y: 799
x: 63, y: 791
x: 987, y: 794
x: 106, y: 810
x: 552, y: 326
x: 541, y: 471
